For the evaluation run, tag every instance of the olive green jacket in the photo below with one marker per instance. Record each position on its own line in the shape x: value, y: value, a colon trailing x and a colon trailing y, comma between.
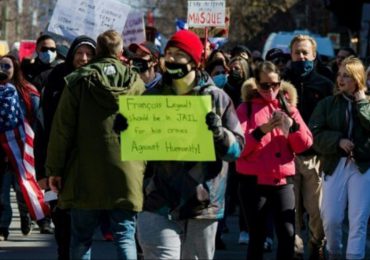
x: 83, y: 148
x: 328, y: 125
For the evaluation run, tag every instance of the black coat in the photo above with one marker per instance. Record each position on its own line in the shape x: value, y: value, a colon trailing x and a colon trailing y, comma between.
x: 310, y: 89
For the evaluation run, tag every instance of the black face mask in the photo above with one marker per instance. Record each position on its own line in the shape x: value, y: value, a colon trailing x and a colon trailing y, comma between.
x: 235, y: 78
x: 177, y: 70
x: 3, y: 76
x: 140, y: 65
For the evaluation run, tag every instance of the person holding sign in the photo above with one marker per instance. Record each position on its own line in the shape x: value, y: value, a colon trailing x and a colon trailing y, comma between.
x: 83, y: 160
x: 184, y: 199
x: 274, y: 131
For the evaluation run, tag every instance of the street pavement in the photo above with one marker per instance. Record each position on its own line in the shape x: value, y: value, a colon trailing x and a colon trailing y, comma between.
x: 42, y: 246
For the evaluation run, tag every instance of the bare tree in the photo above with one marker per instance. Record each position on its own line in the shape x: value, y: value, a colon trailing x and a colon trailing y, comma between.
x: 251, y: 21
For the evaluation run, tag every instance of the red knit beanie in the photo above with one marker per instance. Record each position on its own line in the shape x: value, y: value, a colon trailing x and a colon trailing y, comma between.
x: 189, y: 43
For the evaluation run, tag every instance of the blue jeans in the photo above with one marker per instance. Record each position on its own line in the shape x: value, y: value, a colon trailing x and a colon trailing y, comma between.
x: 84, y: 223
x: 9, y: 180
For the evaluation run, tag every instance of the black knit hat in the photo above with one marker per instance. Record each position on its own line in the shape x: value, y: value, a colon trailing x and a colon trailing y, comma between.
x: 80, y: 40
x: 239, y: 49
x: 274, y: 53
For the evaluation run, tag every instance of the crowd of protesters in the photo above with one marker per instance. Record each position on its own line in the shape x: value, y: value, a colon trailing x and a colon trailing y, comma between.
x: 291, y: 136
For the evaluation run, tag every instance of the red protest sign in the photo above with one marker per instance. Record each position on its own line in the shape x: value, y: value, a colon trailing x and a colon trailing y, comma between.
x: 26, y: 49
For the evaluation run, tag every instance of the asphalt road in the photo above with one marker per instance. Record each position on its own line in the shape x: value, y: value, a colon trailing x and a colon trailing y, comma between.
x: 41, y: 246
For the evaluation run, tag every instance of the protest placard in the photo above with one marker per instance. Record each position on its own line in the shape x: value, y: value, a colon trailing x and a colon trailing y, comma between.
x: 206, y: 14
x: 134, y: 31
x: 215, y: 31
x: 26, y: 49
x: 72, y: 18
x: 4, y: 47
x: 166, y: 128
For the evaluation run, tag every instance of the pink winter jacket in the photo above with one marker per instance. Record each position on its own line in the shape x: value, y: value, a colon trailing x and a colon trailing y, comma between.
x: 271, y: 159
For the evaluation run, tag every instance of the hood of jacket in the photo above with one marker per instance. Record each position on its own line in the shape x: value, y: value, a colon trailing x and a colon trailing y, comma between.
x: 79, y: 41
x: 107, y: 79
x: 249, y: 91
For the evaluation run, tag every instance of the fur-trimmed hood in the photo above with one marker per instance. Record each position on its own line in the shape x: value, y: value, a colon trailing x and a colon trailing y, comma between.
x: 249, y: 91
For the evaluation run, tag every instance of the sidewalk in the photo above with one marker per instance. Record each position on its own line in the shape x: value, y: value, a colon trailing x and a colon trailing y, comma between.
x: 41, y: 246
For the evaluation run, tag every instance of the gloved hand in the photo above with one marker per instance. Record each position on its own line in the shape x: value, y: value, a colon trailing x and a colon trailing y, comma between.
x: 214, y: 123
x: 120, y: 123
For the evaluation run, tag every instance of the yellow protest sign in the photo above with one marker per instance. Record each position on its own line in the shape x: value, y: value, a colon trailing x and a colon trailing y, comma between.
x: 166, y: 128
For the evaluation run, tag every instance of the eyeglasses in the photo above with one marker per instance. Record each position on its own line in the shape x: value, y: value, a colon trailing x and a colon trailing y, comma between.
x: 45, y: 49
x: 268, y: 85
x: 5, y: 66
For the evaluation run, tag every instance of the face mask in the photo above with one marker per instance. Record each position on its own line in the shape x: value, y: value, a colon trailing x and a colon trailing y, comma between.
x: 140, y: 65
x: 182, y: 88
x: 47, y: 57
x: 302, y: 68
x: 220, y: 80
x: 235, y: 78
x: 269, y: 95
x: 177, y: 70
x: 3, y: 76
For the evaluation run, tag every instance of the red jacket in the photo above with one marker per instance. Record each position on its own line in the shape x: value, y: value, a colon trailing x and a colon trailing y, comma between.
x: 271, y: 159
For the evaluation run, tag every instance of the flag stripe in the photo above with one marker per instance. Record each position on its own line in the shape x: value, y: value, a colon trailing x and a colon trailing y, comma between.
x: 18, y: 144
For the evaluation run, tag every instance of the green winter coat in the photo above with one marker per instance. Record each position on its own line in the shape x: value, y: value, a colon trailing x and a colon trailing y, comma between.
x: 83, y: 148
x: 328, y: 125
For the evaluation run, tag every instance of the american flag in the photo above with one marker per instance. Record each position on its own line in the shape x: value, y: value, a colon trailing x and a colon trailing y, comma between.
x: 16, y: 138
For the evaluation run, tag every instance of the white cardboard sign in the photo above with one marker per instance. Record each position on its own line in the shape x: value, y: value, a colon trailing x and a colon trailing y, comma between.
x: 72, y: 18
x: 134, y: 31
x: 206, y: 14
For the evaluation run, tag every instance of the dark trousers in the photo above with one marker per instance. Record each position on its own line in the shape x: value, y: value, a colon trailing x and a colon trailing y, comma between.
x: 62, y: 232
x: 231, y: 201
x: 257, y: 202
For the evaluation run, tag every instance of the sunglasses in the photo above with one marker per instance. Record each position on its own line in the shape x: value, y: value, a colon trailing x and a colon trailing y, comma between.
x: 5, y: 66
x: 45, y: 49
x: 267, y: 86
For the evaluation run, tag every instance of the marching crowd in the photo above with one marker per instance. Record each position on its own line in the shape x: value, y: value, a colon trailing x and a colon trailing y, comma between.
x: 291, y: 135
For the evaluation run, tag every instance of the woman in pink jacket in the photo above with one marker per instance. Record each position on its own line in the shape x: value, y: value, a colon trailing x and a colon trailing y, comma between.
x: 274, y: 131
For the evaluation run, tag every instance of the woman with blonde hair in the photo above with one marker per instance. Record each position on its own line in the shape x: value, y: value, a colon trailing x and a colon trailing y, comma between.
x: 341, y: 128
